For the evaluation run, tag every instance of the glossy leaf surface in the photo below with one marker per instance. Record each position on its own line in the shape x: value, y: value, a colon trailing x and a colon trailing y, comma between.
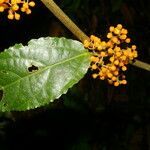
x: 34, y: 75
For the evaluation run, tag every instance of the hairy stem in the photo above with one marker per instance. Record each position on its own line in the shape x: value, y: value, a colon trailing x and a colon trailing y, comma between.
x: 53, y: 7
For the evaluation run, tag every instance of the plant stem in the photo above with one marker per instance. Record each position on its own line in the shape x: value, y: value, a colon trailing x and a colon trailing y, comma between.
x: 53, y: 7
x: 141, y: 64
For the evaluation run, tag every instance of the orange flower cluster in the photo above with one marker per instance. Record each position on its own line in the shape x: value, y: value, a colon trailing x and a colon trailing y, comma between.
x: 14, y: 6
x: 110, y: 58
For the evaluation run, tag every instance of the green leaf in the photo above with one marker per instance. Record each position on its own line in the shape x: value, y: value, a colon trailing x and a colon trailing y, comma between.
x: 34, y: 75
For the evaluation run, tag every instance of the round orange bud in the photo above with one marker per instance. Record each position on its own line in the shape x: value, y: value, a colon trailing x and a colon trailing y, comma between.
x: 118, y: 54
x: 103, y: 44
x: 94, y: 66
x: 99, y: 47
x: 103, y: 70
x: 102, y: 78
x: 113, y: 68
x: 102, y: 54
x: 111, y: 29
x: 112, y: 59
x: 124, y: 68
x: 15, y: 7
x: 125, y: 52
x: 32, y: 4
x: 92, y: 37
x: 128, y: 40
x: 25, y: 5
x: 116, y: 73
x: 86, y: 43
x: 116, y: 83
x: 96, y: 44
x: 116, y: 31
x: 121, y: 64
x: 94, y: 75
x: 94, y: 59
x: 119, y: 26
x: 96, y: 39
x: 109, y: 75
x: 10, y: 16
x: 131, y: 55
x: 23, y: 9
x: 101, y: 74
x: 28, y: 11
x: 2, y: 8
x: 110, y: 51
x: 114, y: 39
x: 109, y: 35
x: 117, y: 49
x: 109, y: 44
x: 124, y: 31
x: 124, y: 82
x: 135, y: 54
x: 17, y: 16
x: 116, y: 62
x: 124, y: 57
x: 113, y: 78
x: 134, y: 47
x: 123, y: 37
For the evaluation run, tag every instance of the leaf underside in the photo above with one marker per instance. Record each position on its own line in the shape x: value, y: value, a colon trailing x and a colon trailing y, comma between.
x: 34, y: 75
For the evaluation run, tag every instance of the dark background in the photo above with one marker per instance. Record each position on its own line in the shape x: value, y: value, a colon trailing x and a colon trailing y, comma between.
x: 92, y: 115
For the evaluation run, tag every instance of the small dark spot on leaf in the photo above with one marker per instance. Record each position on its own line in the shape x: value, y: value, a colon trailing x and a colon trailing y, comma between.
x: 3, y: 71
x: 5, y: 104
x: 33, y: 68
x: 1, y: 94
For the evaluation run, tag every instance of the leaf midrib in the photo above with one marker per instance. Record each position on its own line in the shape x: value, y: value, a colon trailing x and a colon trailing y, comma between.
x: 47, y: 67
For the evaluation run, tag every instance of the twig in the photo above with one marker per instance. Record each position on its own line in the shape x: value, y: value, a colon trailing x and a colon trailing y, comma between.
x: 141, y: 64
x: 53, y: 7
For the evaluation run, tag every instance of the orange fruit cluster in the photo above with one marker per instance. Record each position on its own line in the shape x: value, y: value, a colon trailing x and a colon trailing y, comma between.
x: 14, y: 6
x: 109, y: 59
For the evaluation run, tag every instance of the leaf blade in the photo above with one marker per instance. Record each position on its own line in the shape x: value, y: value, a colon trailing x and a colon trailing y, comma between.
x: 51, y: 80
